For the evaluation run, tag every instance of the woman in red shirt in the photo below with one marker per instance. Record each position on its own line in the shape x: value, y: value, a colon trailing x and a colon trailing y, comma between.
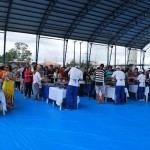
x: 28, y: 77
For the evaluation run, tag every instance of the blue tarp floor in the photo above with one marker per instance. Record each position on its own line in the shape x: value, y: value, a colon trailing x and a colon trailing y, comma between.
x: 40, y: 126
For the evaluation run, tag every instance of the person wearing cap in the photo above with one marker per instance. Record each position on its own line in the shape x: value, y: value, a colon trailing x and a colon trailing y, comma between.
x: 99, y: 84
x: 141, y: 87
x: 73, y: 86
x: 119, y: 76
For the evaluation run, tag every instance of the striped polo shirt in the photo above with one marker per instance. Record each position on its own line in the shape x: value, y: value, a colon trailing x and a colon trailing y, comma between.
x: 99, y: 75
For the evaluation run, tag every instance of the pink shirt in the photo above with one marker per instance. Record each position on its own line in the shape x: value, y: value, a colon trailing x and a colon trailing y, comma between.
x: 27, y: 79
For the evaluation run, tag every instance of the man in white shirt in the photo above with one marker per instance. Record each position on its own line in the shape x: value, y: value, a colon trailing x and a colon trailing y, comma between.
x: 120, y: 85
x: 72, y: 90
x: 141, y: 78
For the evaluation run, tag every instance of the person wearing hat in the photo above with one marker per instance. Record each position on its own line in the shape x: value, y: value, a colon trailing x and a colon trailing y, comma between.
x: 141, y: 87
x: 73, y: 86
x: 99, y: 84
x: 119, y: 76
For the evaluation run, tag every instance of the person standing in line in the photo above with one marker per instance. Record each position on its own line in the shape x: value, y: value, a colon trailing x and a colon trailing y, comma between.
x: 2, y: 71
x: 92, y: 87
x: 37, y: 84
x: 120, y: 85
x: 8, y: 86
x: 141, y: 78
x: 99, y: 84
x: 73, y: 87
x: 28, y: 77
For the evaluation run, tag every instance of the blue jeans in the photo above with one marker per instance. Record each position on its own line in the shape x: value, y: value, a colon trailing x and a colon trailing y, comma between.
x: 36, y: 90
x: 71, y: 97
x: 120, y: 94
x: 140, y: 92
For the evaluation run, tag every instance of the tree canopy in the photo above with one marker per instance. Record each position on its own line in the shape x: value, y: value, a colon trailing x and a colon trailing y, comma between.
x: 19, y: 53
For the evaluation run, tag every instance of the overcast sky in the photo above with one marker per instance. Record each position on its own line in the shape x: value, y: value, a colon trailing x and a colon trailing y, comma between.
x: 52, y: 50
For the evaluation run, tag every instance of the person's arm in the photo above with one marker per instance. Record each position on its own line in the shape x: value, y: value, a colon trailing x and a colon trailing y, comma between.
x: 113, y: 76
x: 27, y: 74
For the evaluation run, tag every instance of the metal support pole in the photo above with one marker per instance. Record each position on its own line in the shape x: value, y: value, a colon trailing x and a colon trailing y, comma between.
x: 4, y: 47
x: 74, y: 52
x: 128, y: 56
x: 80, y: 54
x: 115, y: 56
x: 107, y: 55
x: 143, y: 59
x: 110, y: 54
x: 125, y: 59
x: 37, y: 47
x: 140, y: 57
x: 65, y: 51
x: 89, y: 58
x: 89, y: 47
x: 87, y: 61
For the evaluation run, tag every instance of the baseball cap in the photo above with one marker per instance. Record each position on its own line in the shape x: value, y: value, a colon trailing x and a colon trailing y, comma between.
x: 140, y: 70
x: 118, y: 67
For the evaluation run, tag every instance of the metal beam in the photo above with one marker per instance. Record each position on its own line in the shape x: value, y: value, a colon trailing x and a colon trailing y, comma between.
x: 111, y: 17
x: 129, y: 25
x: 4, y: 56
x: 89, y: 47
x: 46, y: 15
x: 8, y: 14
x: 5, y: 29
x: 139, y: 36
x: 65, y: 51
x: 37, y: 47
x: 88, y: 6
x: 146, y: 43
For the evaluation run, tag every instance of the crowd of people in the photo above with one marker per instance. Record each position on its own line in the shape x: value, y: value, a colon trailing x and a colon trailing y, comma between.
x: 28, y: 80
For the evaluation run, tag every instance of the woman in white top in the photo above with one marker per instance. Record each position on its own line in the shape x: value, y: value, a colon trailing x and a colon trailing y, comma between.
x: 141, y: 78
x: 57, y: 76
x: 37, y: 82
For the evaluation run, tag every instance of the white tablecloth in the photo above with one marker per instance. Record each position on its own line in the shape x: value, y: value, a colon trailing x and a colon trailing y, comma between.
x: 134, y: 88
x: 3, y: 102
x: 58, y: 94
x: 110, y: 92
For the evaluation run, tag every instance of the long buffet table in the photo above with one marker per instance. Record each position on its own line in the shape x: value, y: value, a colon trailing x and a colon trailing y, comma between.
x: 59, y: 94
x: 134, y: 88
x: 110, y: 92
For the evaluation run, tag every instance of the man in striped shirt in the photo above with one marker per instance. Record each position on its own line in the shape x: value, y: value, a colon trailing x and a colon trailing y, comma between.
x: 99, y: 84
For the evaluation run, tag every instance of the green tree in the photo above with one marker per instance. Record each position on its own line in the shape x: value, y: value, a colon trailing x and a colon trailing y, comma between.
x: 19, y: 53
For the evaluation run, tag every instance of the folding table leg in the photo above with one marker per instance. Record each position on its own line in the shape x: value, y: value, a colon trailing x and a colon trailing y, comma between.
x: 47, y: 100
x: 3, y: 112
x: 60, y: 106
